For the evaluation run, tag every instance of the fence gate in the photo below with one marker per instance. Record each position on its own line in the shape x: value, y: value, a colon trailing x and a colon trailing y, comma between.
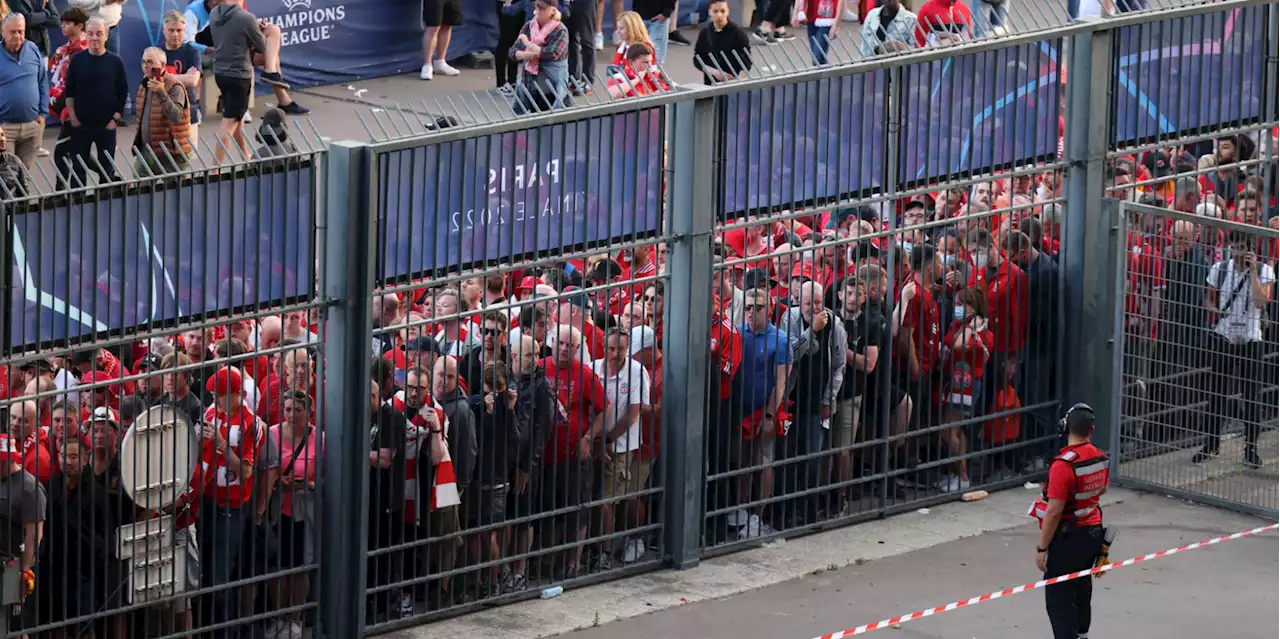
x: 1198, y: 354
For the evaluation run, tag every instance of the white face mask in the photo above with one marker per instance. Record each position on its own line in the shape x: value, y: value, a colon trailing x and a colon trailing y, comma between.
x: 949, y: 260
x: 980, y: 260
x: 907, y: 246
x: 959, y: 313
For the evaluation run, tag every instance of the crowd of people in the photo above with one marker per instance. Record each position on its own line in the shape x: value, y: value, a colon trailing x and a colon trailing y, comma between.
x: 908, y: 348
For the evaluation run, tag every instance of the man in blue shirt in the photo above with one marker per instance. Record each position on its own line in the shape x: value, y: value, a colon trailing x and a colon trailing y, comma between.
x: 766, y: 363
x: 24, y: 83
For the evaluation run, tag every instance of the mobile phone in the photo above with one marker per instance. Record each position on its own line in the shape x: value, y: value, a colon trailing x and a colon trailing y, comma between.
x: 155, y: 73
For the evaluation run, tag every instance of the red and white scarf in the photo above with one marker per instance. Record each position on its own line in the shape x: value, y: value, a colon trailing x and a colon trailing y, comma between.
x: 444, y: 489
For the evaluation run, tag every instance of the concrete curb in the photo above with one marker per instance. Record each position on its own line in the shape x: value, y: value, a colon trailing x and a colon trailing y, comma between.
x: 744, y: 571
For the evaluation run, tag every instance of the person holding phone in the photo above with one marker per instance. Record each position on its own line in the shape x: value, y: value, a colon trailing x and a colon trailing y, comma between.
x: 1238, y: 291
x: 301, y: 444
x: 163, y: 140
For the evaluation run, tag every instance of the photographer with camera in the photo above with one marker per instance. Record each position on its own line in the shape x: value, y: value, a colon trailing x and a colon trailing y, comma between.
x: 1239, y: 290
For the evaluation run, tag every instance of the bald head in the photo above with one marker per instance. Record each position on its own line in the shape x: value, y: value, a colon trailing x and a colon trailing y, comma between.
x: 810, y: 299
x: 23, y: 419
x: 444, y: 378
x: 270, y: 332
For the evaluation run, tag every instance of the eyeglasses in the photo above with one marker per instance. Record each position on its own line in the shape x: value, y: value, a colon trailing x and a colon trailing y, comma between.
x: 492, y: 332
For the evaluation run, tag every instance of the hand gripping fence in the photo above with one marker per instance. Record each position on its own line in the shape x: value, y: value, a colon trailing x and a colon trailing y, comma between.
x: 929, y: 612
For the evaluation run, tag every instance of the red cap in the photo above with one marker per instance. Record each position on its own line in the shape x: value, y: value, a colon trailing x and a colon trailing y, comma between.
x: 224, y: 382
x: 803, y: 269
x: 9, y: 450
x: 528, y: 283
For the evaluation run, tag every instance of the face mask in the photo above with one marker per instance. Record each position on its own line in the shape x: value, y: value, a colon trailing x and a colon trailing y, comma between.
x: 949, y: 260
x: 908, y: 246
x: 959, y: 313
x: 980, y: 260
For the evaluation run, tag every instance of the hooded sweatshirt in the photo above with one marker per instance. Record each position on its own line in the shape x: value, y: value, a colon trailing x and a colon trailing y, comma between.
x: 235, y: 32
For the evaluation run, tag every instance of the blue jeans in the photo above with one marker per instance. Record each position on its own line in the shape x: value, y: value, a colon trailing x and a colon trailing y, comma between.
x: 819, y: 44
x: 113, y: 40
x: 805, y: 438
x: 658, y: 33
x: 998, y: 15
x: 220, y: 535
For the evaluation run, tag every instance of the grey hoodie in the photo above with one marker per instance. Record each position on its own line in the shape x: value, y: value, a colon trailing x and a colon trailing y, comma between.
x: 235, y: 33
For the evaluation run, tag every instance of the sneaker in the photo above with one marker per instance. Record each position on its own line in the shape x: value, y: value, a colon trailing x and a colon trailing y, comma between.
x: 633, y: 551
x: 406, y: 604
x: 1203, y: 455
x: 737, y: 518
x: 515, y: 582
x: 425, y: 73
x: 275, y: 79
x: 964, y: 485
x: 783, y: 36
x: 763, y: 37
x: 248, y: 117
x: 1252, y: 460
x: 296, y: 631
x: 293, y: 108
x: 849, y: 16
x: 949, y: 484
x: 603, y: 563
x: 679, y: 38
x: 42, y: 152
x: 599, y: 42
x: 443, y: 68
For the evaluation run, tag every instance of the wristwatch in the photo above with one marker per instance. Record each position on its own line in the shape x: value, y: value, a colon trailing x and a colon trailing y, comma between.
x: 1039, y: 549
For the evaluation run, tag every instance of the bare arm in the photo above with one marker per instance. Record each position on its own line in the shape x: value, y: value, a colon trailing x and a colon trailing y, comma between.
x: 32, y: 534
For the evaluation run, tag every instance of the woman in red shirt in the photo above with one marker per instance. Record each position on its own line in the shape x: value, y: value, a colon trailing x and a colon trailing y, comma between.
x: 631, y: 30
x: 965, y: 350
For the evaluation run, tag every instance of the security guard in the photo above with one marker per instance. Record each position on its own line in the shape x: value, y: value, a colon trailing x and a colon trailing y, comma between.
x: 1071, y: 533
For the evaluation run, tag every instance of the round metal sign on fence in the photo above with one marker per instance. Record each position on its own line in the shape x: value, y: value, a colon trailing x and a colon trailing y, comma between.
x: 157, y: 457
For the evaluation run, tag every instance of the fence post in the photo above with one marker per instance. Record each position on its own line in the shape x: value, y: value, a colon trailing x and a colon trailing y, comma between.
x: 691, y: 177
x: 348, y: 288
x: 1089, y: 227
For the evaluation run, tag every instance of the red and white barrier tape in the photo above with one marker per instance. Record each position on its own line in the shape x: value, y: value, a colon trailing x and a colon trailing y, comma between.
x: 1039, y: 584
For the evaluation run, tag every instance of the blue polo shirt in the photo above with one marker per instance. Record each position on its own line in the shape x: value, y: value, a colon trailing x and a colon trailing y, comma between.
x: 762, y: 353
x: 24, y: 83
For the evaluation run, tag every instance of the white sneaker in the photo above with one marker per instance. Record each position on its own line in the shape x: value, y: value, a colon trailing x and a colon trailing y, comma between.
x: 736, y: 518
x: 751, y: 528
x: 42, y: 152
x: 425, y: 73
x: 406, y: 604
x: 949, y: 484
x: 633, y: 552
x: 296, y: 631
x: 248, y: 117
x: 444, y: 68
x: 849, y: 15
x: 599, y: 42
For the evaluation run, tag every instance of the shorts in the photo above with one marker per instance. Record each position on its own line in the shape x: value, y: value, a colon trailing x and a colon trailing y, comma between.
x: 746, y: 453
x: 484, y: 505
x: 522, y: 505
x: 625, y: 474
x: 844, y: 424
x: 566, y: 485
x: 234, y: 95
x: 293, y: 542
x: 442, y: 521
x: 441, y: 13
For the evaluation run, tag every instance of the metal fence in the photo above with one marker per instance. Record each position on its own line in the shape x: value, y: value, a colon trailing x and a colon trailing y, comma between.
x: 491, y: 360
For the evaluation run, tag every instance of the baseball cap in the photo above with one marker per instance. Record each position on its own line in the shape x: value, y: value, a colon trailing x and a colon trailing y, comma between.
x: 529, y: 283
x: 150, y: 363
x: 425, y: 343
x: 226, y: 381
x: 1157, y: 162
x: 605, y: 271
x: 802, y: 269
x: 642, y: 337
x: 102, y: 414
x: 757, y: 277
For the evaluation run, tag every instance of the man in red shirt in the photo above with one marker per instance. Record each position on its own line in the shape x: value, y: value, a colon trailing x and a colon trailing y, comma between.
x: 943, y: 22
x: 639, y: 76
x: 1005, y: 288
x: 231, y: 437
x: 918, y: 329
x: 576, y: 434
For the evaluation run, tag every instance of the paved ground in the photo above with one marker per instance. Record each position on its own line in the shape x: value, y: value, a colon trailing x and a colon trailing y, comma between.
x: 1222, y: 591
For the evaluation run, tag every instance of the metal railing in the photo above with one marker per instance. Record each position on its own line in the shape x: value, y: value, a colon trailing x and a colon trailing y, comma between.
x: 586, y: 304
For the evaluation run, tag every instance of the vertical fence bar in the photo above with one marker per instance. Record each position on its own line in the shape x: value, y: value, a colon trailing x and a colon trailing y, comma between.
x: 1088, y: 294
x: 693, y: 167
x: 348, y: 287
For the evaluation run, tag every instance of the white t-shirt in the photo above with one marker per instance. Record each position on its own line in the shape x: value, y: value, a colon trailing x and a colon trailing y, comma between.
x: 630, y: 387
x: 1243, y: 320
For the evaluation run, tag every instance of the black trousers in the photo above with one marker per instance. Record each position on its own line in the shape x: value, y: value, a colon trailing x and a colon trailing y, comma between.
x: 74, y: 152
x: 1070, y: 602
x: 582, y: 40
x: 1237, y: 368
x: 505, y: 67
x: 386, y: 529
x: 777, y: 12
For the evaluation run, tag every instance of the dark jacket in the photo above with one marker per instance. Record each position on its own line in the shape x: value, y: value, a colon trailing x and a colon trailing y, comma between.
x: 498, y: 436
x: 462, y: 435
x: 728, y: 49
x: 534, y: 412
x: 649, y: 9
x: 41, y: 17
x: 471, y: 366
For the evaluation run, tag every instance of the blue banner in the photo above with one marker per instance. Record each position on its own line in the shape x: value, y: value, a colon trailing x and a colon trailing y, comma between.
x: 1189, y: 75
x: 794, y: 143
x: 132, y: 259
x: 979, y: 112
x: 498, y: 197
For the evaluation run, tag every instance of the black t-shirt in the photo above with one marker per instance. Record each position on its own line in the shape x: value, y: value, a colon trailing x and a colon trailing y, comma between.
x: 386, y: 485
x: 868, y: 329
x: 22, y: 499
x: 183, y: 59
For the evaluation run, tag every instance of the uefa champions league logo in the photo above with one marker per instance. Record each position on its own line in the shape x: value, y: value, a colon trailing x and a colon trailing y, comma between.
x: 294, y: 4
